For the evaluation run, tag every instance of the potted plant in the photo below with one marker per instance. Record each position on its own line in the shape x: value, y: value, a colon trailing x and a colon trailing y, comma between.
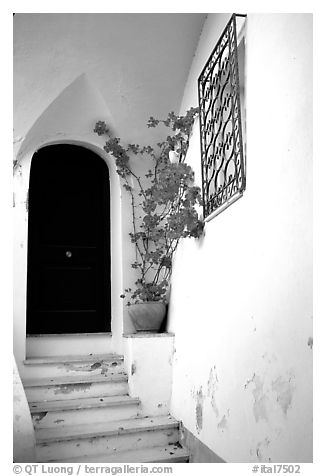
x: 163, y: 203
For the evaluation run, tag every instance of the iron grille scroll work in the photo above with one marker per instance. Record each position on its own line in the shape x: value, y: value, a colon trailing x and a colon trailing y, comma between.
x: 222, y: 158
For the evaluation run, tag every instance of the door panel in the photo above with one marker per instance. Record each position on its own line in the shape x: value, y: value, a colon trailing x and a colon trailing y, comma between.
x: 68, y: 287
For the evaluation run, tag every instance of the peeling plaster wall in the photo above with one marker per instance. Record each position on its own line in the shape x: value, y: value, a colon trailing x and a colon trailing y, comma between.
x: 241, y: 303
x: 148, y: 361
x: 23, y: 430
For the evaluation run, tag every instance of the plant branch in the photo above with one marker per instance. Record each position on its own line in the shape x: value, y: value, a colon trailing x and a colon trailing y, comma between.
x: 168, y: 204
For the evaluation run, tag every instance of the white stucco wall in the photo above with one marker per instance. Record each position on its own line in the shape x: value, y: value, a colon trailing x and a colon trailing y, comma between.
x: 148, y: 362
x: 139, y: 63
x: 241, y: 304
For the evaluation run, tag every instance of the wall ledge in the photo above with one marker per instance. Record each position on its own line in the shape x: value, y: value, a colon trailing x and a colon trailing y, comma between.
x: 72, y: 334
x: 147, y: 335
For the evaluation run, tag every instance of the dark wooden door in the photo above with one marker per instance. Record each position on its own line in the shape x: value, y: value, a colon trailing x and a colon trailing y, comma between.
x: 68, y: 280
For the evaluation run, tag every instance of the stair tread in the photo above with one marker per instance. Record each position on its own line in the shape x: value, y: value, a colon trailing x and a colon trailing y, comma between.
x: 156, y: 454
x: 79, y: 403
x: 58, y: 359
x: 132, y: 425
x: 73, y: 379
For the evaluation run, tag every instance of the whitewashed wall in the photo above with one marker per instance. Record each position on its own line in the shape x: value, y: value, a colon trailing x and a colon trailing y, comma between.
x: 241, y: 304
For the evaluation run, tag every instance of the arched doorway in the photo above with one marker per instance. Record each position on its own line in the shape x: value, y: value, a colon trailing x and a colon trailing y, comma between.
x: 68, y: 277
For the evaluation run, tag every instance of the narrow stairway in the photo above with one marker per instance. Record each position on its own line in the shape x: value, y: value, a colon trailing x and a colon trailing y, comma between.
x: 82, y: 412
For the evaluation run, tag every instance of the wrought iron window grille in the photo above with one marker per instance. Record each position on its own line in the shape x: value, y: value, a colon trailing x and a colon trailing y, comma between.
x: 222, y: 154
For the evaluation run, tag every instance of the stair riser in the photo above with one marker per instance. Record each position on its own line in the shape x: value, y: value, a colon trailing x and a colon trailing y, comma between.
x: 89, y: 415
x: 74, y: 369
x: 126, y: 459
x: 56, y: 451
x: 76, y: 390
x: 177, y: 459
x: 68, y: 345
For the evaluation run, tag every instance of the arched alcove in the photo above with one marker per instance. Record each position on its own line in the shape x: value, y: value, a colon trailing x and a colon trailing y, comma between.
x: 68, y: 280
x: 69, y: 119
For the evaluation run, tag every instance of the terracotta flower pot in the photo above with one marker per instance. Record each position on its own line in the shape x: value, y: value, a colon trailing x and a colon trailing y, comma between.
x: 147, y: 316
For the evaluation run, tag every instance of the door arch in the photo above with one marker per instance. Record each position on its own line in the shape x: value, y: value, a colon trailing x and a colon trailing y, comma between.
x: 68, y: 263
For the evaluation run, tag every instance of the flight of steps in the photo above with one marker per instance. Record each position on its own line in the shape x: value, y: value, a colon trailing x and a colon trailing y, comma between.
x: 82, y: 412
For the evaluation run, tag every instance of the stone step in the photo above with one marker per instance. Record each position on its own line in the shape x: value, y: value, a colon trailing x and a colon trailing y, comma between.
x: 72, y: 344
x: 74, y: 387
x: 55, y: 366
x: 58, y: 359
x: 173, y: 453
x: 81, y: 403
x: 58, y: 443
x: 83, y: 410
x: 71, y: 380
